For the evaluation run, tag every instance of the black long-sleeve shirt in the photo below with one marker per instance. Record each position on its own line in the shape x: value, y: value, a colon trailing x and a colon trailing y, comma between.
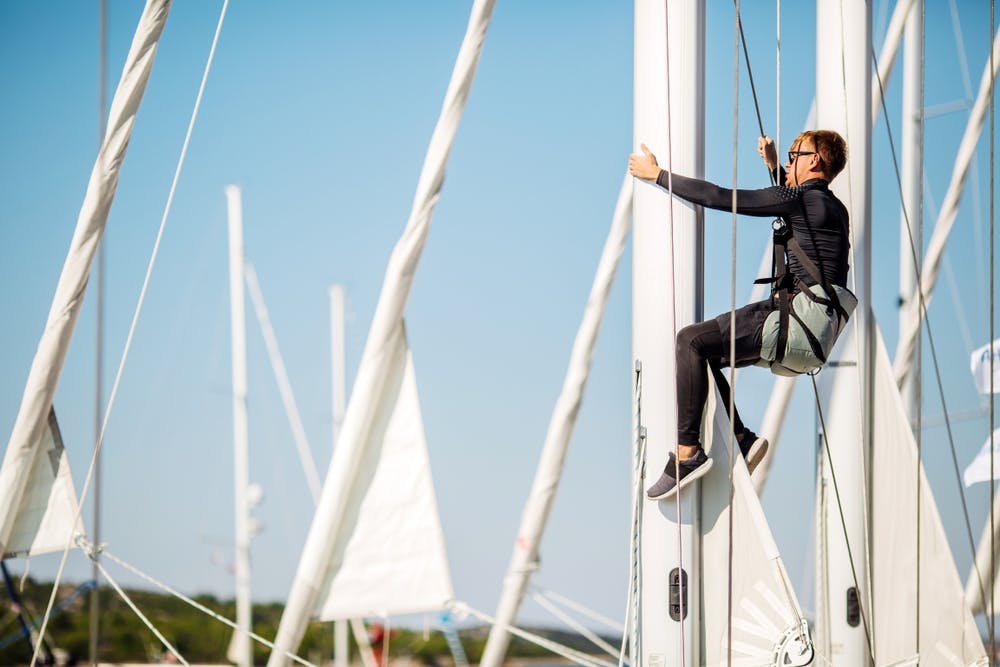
x: 818, y: 220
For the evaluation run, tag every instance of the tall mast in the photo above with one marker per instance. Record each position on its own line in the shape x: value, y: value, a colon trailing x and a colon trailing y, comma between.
x: 910, y: 242
x: 666, y: 295
x: 843, y: 103
x: 240, y: 650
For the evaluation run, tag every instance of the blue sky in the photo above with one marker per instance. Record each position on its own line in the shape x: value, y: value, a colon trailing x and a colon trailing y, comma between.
x: 322, y: 113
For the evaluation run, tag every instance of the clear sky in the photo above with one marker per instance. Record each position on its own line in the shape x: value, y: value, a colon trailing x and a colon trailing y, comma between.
x: 322, y: 113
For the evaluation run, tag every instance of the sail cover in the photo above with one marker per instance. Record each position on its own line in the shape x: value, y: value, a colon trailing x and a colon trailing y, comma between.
x: 48, y: 513
x: 394, y: 562
x: 948, y: 634
x: 767, y: 623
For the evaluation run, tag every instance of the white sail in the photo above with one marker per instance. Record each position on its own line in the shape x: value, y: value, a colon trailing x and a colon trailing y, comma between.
x: 28, y: 436
x: 767, y: 622
x: 337, y: 502
x: 48, y: 513
x: 979, y: 576
x: 947, y: 629
x: 394, y: 562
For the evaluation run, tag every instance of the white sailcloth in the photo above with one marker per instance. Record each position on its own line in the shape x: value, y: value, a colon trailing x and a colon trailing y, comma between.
x: 28, y: 435
x: 767, y: 622
x: 48, y: 512
x: 337, y: 502
x: 979, y: 469
x: 979, y: 364
x: 979, y: 576
x: 394, y: 562
x: 948, y: 634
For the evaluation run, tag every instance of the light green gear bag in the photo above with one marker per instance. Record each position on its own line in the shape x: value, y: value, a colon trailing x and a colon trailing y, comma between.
x: 814, y: 325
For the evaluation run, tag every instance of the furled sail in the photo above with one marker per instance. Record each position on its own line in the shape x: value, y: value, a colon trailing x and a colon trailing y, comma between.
x: 337, y: 504
x: 48, y: 513
x: 394, y: 562
x: 979, y: 579
x: 767, y: 623
x: 32, y: 420
x: 561, y: 426
x: 948, y: 634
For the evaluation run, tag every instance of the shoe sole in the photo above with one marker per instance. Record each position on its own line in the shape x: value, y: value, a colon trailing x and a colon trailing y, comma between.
x: 692, y: 476
x: 756, y: 454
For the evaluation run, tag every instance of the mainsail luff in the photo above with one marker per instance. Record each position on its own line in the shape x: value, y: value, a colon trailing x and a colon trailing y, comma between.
x: 325, y: 535
x: 561, y: 426
x: 46, y: 367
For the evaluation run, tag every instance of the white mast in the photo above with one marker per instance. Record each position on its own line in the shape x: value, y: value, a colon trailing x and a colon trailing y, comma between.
x: 341, y: 650
x: 524, y: 560
x: 910, y: 241
x: 240, y: 651
x: 666, y: 287
x: 843, y: 103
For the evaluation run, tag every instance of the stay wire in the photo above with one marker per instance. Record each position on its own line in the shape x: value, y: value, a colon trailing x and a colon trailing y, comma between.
x: 738, y: 34
x: 993, y: 572
x: 840, y: 509
x: 135, y: 320
x: 925, y: 318
x: 673, y: 320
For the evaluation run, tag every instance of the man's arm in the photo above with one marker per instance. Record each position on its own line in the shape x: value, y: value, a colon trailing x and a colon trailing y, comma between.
x: 765, y: 202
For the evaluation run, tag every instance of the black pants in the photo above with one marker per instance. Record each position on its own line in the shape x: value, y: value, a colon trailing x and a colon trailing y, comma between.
x: 707, y: 344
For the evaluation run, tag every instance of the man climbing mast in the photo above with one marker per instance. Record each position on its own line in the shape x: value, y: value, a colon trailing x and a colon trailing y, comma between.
x: 818, y: 234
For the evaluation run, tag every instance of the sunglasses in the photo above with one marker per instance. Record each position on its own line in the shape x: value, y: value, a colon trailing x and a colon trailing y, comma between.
x: 794, y: 154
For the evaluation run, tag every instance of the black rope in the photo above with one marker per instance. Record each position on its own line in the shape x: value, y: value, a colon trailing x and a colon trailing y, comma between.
x: 993, y: 617
x: 925, y: 319
x: 753, y: 88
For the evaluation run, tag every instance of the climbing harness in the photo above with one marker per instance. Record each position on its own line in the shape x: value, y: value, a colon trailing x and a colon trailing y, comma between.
x: 799, y: 335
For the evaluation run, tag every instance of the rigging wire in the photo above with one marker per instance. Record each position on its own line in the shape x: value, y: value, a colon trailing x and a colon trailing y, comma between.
x: 731, y: 407
x: 673, y: 323
x: 132, y: 327
x: 993, y: 618
x: 840, y: 507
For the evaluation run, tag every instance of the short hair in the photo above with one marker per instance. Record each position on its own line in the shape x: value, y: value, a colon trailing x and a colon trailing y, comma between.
x: 830, y: 146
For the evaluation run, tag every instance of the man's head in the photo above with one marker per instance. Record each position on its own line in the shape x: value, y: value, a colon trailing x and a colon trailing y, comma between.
x: 815, y: 154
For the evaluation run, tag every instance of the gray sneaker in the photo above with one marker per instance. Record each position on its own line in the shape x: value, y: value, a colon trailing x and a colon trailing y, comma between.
x: 690, y: 470
x: 754, y: 449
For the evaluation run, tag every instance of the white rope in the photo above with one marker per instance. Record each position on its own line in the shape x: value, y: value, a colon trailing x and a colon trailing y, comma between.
x: 635, y: 539
x: 673, y: 323
x: 142, y: 617
x: 580, y: 608
x: 557, y: 648
x: 575, y: 625
x: 131, y: 333
x: 200, y: 607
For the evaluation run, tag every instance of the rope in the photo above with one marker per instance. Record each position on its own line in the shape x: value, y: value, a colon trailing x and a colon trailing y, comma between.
x: 578, y: 627
x: 840, y: 508
x: 920, y: 365
x: 925, y: 319
x: 132, y: 328
x: 577, y: 607
x: 673, y: 324
x: 732, y: 325
x: 142, y: 617
x: 753, y: 88
x: 635, y: 562
x: 197, y: 605
x: 993, y: 618
x: 559, y: 649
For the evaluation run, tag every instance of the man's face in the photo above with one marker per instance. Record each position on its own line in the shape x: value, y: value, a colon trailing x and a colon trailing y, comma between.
x: 797, y: 165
